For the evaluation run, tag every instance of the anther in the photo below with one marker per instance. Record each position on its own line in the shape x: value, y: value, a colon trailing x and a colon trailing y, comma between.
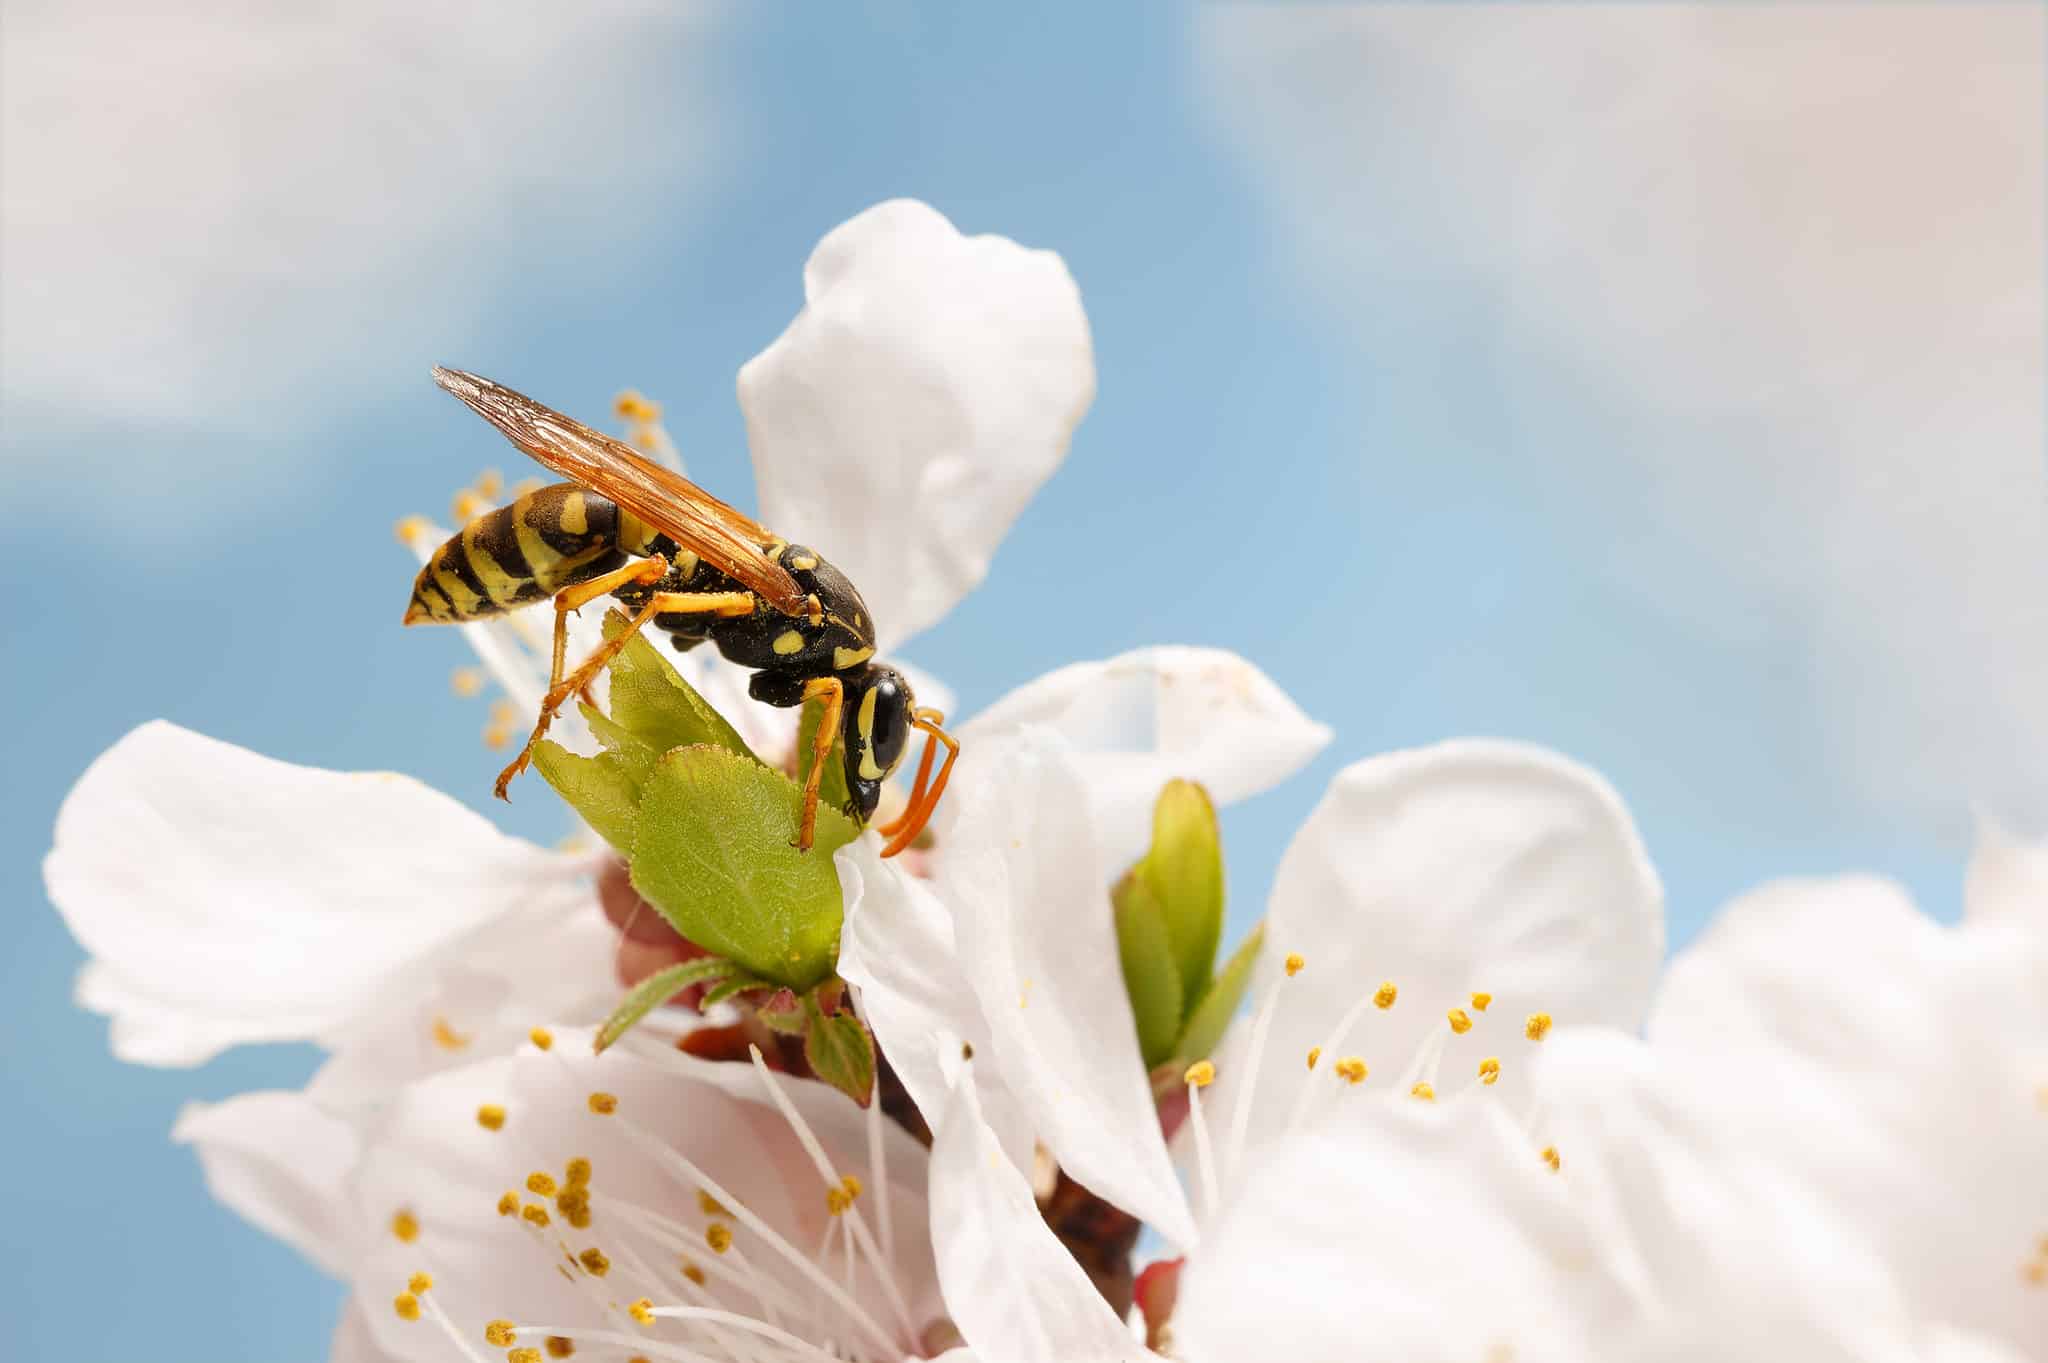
x: 405, y: 1226
x: 1423, y: 1091
x: 1489, y: 1070
x: 1351, y: 1069
x: 1315, y: 1053
x: 594, y: 1263
x: 710, y: 1205
x: 466, y: 681
x: 500, y: 1335
x: 1480, y: 1002
x: 524, y: 1355
x: 542, y: 1037
x: 540, y: 1184
x: 1551, y: 1158
x: 1383, y: 997
x: 693, y: 1273
x: 577, y: 1171
x: 489, y: 483
x: 1537, y: 1027
x: 560, y: 1346
x: 642, y: 1311
x: 1201, y: 1074
x: 508, y: 1205
x: 718, y: 1235
x: 467, y: 506
x: 420, y: 1283
x: 632, y: 406
x: 412, y: 530
x: 604, y: 1104
x: 2036, y: 1273
x: 446, y: 1037
x: 406, y: 1305
x: 1294, y: 963
x: 535, y: 1213
x: 491, y: 1117
x: 851, y: 1184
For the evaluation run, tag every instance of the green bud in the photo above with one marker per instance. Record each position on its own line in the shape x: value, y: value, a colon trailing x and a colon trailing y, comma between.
x: 1184, y: 872
x: 1151, y: 978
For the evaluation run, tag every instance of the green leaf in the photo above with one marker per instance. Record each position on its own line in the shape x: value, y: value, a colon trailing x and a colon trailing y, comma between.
x: 731, y: 985
x: 655, y: 990
x: 1151, y: 979
x: 713, y: 853
x: 604, y: 789
x: 650, y: 699
x: 1213, y: 1011
x: 1184, y: 871
x: 840, y: 1052
x: 832, y: 791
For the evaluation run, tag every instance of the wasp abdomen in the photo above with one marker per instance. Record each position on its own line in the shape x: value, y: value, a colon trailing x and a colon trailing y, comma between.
x: 524, y: 552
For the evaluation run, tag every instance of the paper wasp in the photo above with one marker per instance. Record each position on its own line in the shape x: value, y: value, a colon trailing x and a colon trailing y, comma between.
x: 683, y: 561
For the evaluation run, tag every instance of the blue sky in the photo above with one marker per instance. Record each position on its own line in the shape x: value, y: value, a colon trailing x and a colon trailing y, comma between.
x: 1674, y: 402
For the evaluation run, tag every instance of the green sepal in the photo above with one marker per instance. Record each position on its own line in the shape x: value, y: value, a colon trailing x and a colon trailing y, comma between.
x: 1151, y: 977
x: 1218, y: 1004
x: 1184, y: 871
x: 713, y: 854
x: 651, y: 701
x: 832, y: 791
x: 840, y: 1051
x: 731, y: 985
x: 655, y: 990
x: 604, y: 789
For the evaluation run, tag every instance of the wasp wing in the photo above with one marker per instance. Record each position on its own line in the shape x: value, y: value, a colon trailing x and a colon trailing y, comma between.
x: 686, y: 513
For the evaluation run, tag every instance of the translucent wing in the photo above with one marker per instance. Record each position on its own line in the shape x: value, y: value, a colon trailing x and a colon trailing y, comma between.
x: 686, y: 513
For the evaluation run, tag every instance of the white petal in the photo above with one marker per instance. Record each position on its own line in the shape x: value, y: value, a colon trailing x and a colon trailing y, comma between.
x: 1893, y: 1066
x: 263, y: 901
x: 1014, y: 1291
x: 1391, y: 1232
x: 1471, y: 866
x: 2008, y: 879
x: 354, y: 1341
x: 930, y: 384
x: 1036, y: 945
x: 281, y: 1162
x: 1142, y: 718
x: 1729, y: 1253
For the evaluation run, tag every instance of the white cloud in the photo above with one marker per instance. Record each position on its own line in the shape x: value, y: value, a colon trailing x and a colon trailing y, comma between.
x: 211, y: 212
x: 1768, y: 281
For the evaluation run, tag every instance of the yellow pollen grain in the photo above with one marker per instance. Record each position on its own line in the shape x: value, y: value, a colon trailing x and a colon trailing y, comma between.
x: 536, y: 1213
x: 405, y: 1226
x: 412, y: 530
x: 1200, y: 1075
x: 1294, y: 963
x: 718, y: 1235
x: 1480, y: 1002
x: 1551, y: 1158
x: 540, y: 1184
x: 420, y: 1283
x: 406, y: 1305
x: 1351, y: 1069
x: 508, y: 1205
x: 491, y: 1117
x: 1537, y: 1027
x: 489, y: 483
x: 1315, y: 1053
x: 1461, y: 1021
x: 446, y: 1037
x: 577, y: 1171
x: 499, y: 1334
x: 1384, y: 996
x: 466, y: 681
x: 604, y: 1104
x: 560, y: 1346
x: 542, y: 1037
x: 594, y: 1263
x: 525, y: 1355
x: 693, y: 1273
x: 1489, y: 1070
x: 642, y: 1311
x: 710, y: 1205
x: 1424, y: 1092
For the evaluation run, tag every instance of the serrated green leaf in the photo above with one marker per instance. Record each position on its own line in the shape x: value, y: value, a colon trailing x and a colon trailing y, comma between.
x: 604, y: 789
x: 1184, y: 871
x: 655, y: 990
x: 731, y: 985
x: 840, y: 1052
x: 832, y: 791
x: 713, y: 853
x: 1218, y: 1004
x: 1151, y: 978
x: 650, y: 699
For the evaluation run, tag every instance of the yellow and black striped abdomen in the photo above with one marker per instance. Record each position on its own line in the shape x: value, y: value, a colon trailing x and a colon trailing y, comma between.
x: 525, y: 552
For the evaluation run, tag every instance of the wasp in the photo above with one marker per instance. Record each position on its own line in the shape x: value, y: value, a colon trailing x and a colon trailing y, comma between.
x: 684, y: 562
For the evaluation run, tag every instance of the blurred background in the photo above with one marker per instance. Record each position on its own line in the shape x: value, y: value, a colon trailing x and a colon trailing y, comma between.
x: 1662, y: 383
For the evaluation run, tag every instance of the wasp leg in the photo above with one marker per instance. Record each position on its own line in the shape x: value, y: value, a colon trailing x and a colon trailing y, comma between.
x: 913, y: 822
x: 834, y: 692
x: 924, y: 774
x: 560, y: 688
